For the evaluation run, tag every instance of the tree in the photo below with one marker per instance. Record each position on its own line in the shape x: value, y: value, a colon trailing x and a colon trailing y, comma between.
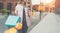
x: 4, y: 11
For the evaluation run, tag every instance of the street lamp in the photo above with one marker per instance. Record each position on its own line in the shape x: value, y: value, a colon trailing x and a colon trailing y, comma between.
x: 41, y: 8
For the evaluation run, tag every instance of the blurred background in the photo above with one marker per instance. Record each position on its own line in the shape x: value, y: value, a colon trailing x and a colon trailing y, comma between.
x: 40, y: 9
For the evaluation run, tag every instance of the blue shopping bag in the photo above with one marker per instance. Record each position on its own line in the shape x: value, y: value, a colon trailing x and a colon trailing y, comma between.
x: 12, y: 20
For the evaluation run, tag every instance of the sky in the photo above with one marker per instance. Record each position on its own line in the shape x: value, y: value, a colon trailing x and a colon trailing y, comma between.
x: 34, y: 2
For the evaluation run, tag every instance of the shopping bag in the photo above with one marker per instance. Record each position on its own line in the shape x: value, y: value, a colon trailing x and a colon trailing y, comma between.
x: 18, y: 26
x: 12, y: 20
x: 11, y: 30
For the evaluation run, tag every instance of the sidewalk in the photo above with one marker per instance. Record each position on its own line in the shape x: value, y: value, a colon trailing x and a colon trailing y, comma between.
x: 2, y: 23
x: 50, y: 24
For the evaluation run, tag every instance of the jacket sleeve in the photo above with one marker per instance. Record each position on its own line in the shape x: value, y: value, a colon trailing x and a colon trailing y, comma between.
x: 16, y: 11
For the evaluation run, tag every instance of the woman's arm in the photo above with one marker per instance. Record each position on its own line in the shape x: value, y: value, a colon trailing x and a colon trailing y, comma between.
x: 16, y: 11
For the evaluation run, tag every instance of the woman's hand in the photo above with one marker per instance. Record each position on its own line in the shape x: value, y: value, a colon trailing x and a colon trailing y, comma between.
x: 31, y: 13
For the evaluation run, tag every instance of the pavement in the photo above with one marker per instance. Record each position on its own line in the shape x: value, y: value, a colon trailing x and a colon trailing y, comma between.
x: 2, y: 23
x: 49, y: 24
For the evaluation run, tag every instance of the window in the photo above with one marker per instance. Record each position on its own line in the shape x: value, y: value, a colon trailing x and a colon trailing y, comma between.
x: 15, y: 4
x: 1, y: 6
x: 9, y: 6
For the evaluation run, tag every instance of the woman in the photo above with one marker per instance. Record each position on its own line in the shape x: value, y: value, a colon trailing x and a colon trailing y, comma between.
x: 19, y: 11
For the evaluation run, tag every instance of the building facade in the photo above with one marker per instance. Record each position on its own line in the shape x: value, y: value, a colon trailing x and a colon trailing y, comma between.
x: 8, y: 4
x: 57, y: 4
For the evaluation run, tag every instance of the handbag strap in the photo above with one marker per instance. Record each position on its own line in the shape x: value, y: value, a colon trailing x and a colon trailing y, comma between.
x: 24, y: 24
